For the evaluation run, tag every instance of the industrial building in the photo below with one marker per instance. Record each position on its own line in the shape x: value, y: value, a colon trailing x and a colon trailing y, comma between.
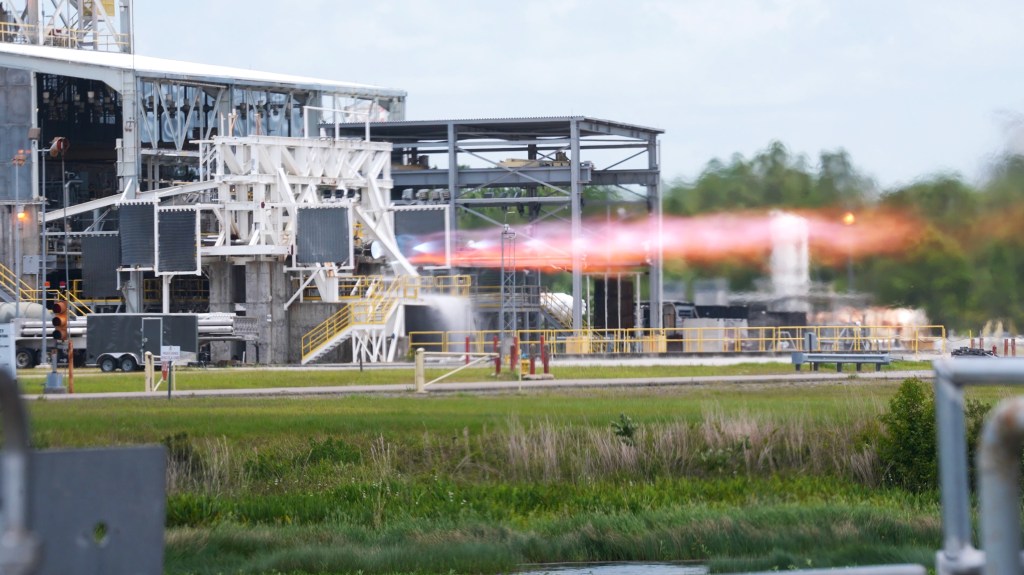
x: 313, y: 208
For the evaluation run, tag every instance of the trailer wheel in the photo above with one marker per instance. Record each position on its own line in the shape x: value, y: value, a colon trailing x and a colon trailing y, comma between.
x: 128, y: 364
x: 25, y: 358
x: 107, y: 364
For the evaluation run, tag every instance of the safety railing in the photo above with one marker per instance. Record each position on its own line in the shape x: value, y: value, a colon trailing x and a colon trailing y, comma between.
x: 322, y: 335
x: 360, y: 287
x: 557, y: 309
x: 373, y: 310
x: 9, y: 282
x: 705, y: 340
x: 16, y: 33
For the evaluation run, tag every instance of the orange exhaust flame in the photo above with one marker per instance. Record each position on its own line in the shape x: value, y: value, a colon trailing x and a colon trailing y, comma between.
x: 630, y: 244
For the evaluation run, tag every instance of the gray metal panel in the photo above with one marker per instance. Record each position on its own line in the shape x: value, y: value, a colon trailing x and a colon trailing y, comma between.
x: 101, y: 256
x: 120, y: 333
x: 137, y: 222
x: 413, y: 227
x: 120, y: 491
x: 178, y: 241
x: 323, y: 235
x: 15, y: 120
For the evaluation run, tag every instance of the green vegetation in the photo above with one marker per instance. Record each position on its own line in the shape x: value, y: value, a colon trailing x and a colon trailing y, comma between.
x: 93, y: 381
x: 744, y: 476
x: 964, y: 269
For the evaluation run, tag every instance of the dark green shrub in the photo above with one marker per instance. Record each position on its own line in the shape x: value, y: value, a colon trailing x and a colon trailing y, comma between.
x: 907, y: 448
x: 625, y: 429
x: 183, y: 455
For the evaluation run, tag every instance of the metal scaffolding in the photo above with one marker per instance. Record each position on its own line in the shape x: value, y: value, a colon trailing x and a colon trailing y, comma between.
x: 537, y: 166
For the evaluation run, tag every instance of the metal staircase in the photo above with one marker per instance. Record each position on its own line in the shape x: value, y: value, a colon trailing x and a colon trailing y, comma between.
x: 9, y: 283
x: 557, y: 310
x: 368, y: 314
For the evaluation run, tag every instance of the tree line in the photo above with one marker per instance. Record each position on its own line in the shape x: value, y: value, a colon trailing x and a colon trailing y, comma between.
x: 964, y: 267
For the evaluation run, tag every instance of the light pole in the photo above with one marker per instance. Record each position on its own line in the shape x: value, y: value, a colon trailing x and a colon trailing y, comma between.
x: 507, y: 321
x: 38, y: 154
x: 17, y: 162
x: 848, y: 220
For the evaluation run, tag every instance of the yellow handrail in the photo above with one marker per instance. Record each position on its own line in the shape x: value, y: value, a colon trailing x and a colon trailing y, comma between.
x: 9, y: 283
x: 371, y: 301
x: 717, y: 340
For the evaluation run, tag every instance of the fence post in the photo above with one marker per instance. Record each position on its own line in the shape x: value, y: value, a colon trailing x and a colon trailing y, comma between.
x: 420, y: 377
x: 149, y: 370
x: 467, y: 350
x: 497, y: 356
x: 533, y: 363
x: 1006, y: 347
x: 543, y: 354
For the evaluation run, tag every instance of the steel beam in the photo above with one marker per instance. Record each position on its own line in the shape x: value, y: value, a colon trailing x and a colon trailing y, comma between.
x: 576, y: 190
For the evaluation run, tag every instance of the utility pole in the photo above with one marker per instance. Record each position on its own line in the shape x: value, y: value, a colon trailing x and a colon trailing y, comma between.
x: 18, y: 161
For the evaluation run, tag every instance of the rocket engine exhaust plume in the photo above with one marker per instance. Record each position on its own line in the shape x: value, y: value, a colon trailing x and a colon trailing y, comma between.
x: 627, y: 244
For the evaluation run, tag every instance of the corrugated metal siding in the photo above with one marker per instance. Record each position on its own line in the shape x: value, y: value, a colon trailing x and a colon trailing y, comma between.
x: 100, y: 258
x: 137, y: 224
x: 178, y: 241
x: 15, y: 119
x: 323, y: 235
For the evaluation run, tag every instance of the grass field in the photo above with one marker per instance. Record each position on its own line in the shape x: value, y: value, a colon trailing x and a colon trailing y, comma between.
x: 740, y: 476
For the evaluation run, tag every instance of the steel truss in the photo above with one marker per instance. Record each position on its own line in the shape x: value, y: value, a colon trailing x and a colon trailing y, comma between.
x: 554, y: 159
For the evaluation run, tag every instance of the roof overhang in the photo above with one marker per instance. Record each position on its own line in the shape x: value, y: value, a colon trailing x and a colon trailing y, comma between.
x: 111, y: 67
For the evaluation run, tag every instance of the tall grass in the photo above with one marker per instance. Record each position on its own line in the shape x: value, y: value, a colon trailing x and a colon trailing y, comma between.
x: 719, y: 445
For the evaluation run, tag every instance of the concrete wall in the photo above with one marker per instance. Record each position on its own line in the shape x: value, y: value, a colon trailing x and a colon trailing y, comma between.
x: 304, y: 317
x: 222, y: 300
x: 266, y: 289
x: 15, y: 120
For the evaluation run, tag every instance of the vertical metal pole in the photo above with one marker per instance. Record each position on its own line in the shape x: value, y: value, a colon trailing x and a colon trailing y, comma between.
x: 419, y: 376
x: 999, y: 487
x: 67, y: 221
x: 21, y: 550
x: 166, y: 293
x: 949, y: 423
x: 453, y: 182
x: 657, y: 265
x: 42, y: 238
x: 497, y: 356
x: 575, y: 197
x: 17, y: 239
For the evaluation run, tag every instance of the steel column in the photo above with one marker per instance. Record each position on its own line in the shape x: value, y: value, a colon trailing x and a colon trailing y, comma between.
x: 577, y: 225
x: 453, y: 182
x: 656, y: 266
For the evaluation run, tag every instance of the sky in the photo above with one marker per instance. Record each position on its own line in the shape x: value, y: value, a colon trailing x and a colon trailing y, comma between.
x: 910, y: 88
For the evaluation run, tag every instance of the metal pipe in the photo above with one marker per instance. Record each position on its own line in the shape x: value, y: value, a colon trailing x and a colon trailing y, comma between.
x: 958, y: 554
x: 18, y: 547
x: 998, y: 478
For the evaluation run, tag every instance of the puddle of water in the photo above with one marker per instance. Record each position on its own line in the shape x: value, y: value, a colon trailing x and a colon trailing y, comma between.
x: 616, y: 569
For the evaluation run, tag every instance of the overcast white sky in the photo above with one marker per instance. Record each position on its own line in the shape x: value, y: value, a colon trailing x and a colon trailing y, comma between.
x: 909, y: 88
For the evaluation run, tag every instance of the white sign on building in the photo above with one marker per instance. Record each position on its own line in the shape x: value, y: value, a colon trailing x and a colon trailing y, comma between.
x: 7, y: 350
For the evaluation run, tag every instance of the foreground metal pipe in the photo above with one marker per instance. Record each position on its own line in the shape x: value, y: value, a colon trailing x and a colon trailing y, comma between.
x: 896, y: 569
x: 958, y: 555
x: 999, y: 477
x: 18, y: 548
